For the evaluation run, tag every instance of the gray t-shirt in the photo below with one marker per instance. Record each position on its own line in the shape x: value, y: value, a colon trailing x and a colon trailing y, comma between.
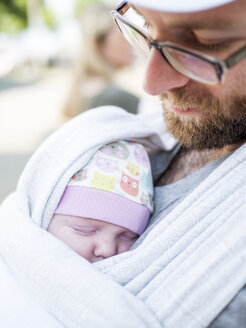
x: 169, y: 196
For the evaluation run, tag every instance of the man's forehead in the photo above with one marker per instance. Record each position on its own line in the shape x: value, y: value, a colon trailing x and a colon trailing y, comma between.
x: 180, y: 5
x: 230, y: 16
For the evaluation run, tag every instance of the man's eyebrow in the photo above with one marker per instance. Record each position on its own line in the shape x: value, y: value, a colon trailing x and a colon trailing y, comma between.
x: 197, y: 25
x: 137, y: 11
x: 200, y: 25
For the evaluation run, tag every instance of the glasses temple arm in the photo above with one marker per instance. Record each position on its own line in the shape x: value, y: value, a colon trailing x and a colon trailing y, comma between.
x: 236, y: 57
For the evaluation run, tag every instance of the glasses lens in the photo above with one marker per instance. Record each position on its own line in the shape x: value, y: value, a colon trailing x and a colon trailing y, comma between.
x: 191, y: 66
x: 136, y: 39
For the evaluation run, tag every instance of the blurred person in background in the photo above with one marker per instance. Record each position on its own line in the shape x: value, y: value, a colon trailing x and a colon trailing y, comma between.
x: 104, y: 52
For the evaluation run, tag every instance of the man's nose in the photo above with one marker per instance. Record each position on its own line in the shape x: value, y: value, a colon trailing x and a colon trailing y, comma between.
x: 105, y: 248
x: 160, y: 76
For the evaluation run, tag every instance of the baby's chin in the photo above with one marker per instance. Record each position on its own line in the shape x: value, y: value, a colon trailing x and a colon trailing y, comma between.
x: 96, y: 259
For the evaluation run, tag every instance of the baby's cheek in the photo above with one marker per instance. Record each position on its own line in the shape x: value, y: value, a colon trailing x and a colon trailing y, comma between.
x: 124, y: 246
x: 82, y: 251
x: 77, y: 244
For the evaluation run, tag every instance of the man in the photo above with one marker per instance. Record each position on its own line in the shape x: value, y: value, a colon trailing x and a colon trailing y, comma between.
x: 200, y: 108
x: 203, y: 99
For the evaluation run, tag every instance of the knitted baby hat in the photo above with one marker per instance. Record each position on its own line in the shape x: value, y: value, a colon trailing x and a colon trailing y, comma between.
x: 115, y: 186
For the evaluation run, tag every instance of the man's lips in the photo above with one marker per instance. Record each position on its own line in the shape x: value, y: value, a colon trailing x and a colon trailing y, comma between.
x: 182, y: 111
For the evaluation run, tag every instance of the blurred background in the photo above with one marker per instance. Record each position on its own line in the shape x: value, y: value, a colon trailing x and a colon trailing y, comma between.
x: 58, y: 58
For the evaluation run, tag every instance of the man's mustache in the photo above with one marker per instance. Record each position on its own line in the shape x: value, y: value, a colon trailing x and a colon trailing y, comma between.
x: 203, y: 101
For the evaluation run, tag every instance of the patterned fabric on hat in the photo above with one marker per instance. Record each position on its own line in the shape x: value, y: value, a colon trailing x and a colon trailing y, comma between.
x: 121, y: 167
x: 115, y: 186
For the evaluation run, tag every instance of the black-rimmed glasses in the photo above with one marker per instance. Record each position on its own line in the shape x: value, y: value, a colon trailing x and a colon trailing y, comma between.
x: 196, y: 66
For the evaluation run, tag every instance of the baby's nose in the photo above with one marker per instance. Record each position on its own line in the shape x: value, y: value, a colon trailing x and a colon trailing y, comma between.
x: 105, y: 248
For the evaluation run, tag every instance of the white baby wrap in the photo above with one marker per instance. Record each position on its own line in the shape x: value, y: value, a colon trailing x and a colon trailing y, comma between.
x: 183, y: 274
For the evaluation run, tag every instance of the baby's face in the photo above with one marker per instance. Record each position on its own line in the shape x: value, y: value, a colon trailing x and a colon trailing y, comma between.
x: 92, y: 239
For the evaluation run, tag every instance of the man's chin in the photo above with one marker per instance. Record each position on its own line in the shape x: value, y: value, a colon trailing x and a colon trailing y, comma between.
x: 213, y: 133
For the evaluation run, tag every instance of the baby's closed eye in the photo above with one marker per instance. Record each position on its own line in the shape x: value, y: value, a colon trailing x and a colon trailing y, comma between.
x: 84, y: 231
x: 128, y: 236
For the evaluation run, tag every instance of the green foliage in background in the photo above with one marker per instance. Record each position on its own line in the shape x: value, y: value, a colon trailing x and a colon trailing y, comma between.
x: 13, y: 15
x: 49, y: 17
x: 81, y: 5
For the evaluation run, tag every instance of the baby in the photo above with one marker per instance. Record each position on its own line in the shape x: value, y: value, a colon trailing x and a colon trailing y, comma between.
x: 107, y: 204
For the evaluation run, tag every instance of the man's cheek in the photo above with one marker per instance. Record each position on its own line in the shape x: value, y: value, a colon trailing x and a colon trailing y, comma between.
x: 233, y: 85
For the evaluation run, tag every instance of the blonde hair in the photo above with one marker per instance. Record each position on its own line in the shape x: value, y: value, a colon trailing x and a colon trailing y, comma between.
x: 96, y: 23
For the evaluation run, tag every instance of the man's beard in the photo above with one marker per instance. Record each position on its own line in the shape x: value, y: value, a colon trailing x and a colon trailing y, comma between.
x: 220, y: 123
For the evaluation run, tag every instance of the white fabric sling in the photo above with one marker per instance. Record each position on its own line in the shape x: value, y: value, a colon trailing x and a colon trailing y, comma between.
x: 183, y: 274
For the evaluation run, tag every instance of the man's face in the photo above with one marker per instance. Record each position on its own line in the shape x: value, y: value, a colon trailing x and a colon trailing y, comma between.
x: 200, y: 116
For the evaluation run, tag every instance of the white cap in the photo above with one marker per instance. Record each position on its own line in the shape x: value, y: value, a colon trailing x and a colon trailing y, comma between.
x: 180, y: 6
